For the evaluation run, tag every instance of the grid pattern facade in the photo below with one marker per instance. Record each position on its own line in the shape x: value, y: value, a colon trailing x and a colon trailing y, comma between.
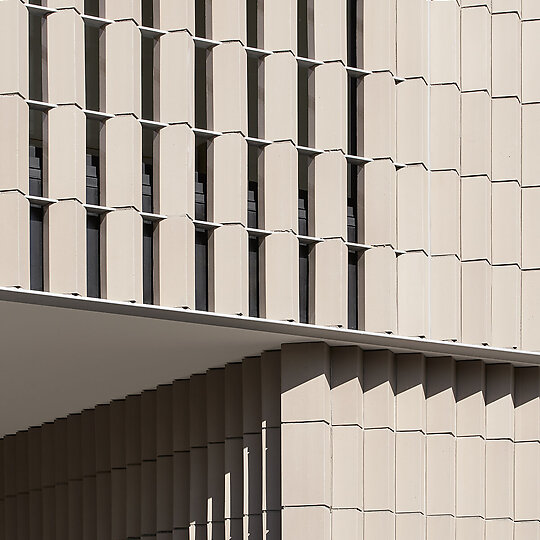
x: 387, y: 149
x: 307, y: 442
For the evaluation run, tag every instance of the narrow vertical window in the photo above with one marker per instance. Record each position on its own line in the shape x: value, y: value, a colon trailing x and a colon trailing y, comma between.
x: 353, y: 115
x: 201, y: 235
x: 92, y: 162
x: 148, y: 13
x: 352, y: 293
x: 91, y: 7
x: 148, y: 171
x: 201, y: 269
x: 147, y: 75
x: 200, y: 18
x: 200, y: 88
x: 352, y: 203
x: 91, y: 59
x: 148, y: 262
x: 303, y: 181
x: 302, y: 28
x: 36, y: 248
x: 253, y: 277
x: 303, y: 268
x: 304, y: 73
x: 252, y: 22
x: 253, y: 187
x: 352, y: 33
x: 93, y: 256
x: 35, y: 56
x: 253, y: 64
x: 201, y: 149
x: 35, y: 172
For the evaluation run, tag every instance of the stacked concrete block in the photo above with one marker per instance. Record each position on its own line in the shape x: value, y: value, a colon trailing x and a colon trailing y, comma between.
x: 447, y: 114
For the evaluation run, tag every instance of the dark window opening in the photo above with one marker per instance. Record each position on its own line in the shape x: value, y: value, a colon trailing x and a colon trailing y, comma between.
x: 201, y: 119
x: 304, y: 105
x: 352, y: 300
x: 201, y: 198
x: 148, y: 171
x: 201, y: 270
x: 148, y: 13
x: 148, y: 262
x: 352, y: 203
x: 93, y: 257
x: 302, y: 28
x: 352, y: 33
x: 253, y: 277
x: 303, y: 182
x: 353, y: 116
x: 252, y: 23
x: 200, y: 18
x: 253, y: 187
x: 92, y: 161
x: 253, y: 96
x: 91, y: 7
x: 36, y: 248
x: 303, y: 268
x: 147, y: 75
x: 91, y: 58
x: 36, y: 169
x: 35, y: 56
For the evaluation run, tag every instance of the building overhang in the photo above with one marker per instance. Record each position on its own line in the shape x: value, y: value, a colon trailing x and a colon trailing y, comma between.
x: 62, y: 354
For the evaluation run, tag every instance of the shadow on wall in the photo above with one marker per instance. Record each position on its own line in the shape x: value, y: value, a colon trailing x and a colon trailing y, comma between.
x: 307, y: 442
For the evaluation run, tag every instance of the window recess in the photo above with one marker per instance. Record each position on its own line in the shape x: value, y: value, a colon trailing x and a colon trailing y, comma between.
x: 201, y: 184
x: 36, y: 33
x: 201, y: 269
x: 36, y: 248
x: 93, y: 255
x: 304, y: 251
x: 148, y: 137
x: 254, y: 270
x: 148, y: 262
x: 352, y: 290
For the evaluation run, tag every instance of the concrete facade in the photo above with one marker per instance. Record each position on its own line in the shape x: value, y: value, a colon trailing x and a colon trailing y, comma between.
x: 309, y: 441
x: 368, y: 165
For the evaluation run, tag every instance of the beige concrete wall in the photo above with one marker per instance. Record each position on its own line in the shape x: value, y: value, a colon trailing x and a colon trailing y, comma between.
x: 309, y: 441
x: 448, y: 114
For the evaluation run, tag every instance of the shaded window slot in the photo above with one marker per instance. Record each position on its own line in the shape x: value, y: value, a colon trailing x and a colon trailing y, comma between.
x: 147, y: 74
x: 303, y: 268
x: 200, y: 89
x: 92, y: 162
x: 35, y: 56
x: 36, y: 248
x: 252, y: 23
x: 353, y: 116
x: 303, y: 202
x: 254, y: 277
x: 93, y: 256
x: 36, y: 169
x: 148, y: 13
x: 302, y: 28
x: 91, y: 7
x: 148, y: 171
x: 148, y: 262
x: 92, y: 75
x: 253, y: 96
x: 201, y: 270
x: 352, y: 33
x: 201, y: 197
x: 304, y: 105
x: 253, y: 187
x: 352, y: 203
x: 352, y: 292
x: 200, y: 18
